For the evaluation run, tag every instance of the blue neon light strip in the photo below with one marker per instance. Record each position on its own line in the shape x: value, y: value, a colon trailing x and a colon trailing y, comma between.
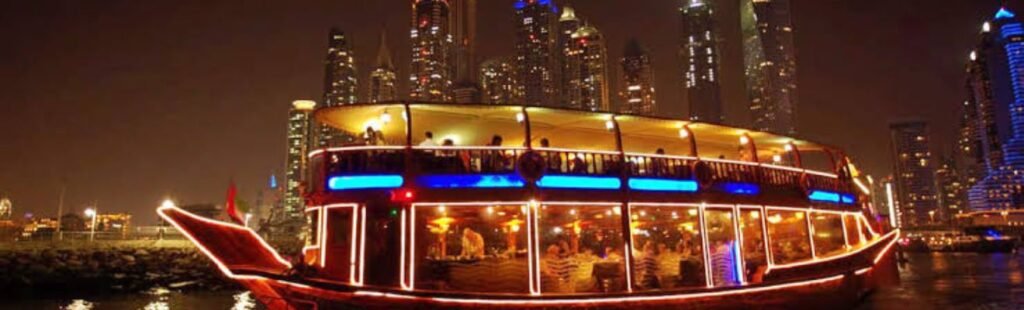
x: 741, y: 188
x: 825, y: 196
x: 472, y: 181
x: 648, y: 184
x: 581, y: 182
x: 847, y: 199
x: 348, y: 182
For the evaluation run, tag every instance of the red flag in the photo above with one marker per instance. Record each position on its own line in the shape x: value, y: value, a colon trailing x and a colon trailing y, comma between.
x: 232, y: 208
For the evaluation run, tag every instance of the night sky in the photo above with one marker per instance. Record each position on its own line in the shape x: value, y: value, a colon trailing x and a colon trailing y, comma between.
x: 133, y: 101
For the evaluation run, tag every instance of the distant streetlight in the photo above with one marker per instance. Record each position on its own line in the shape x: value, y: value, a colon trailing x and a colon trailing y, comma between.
x: 91, y: 213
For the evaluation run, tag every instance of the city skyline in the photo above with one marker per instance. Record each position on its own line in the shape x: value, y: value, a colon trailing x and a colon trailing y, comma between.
x: 263, y: 121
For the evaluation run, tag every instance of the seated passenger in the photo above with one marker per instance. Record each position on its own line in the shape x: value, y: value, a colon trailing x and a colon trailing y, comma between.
x: 579, y: 166
x: 658, y: 164
x: 556, y: 271
x: 472, y: 244
x: 649, y: 268
x: 372, y: 137
x: 723, y: 264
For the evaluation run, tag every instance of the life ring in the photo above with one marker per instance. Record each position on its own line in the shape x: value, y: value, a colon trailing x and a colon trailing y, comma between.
x: 531, y: 166
x: 703, y: 174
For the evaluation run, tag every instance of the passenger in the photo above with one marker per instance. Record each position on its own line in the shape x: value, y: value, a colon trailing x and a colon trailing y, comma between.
x: 745, y: 154
x: 579, y: 166
x: 472, y: 244
x: 723, y: 264
x: 494, y: 160
x: 658, y: 164
x: 552, y: 159
x: 429, y: 141
x: 649, y: 268
x: 557, y: 270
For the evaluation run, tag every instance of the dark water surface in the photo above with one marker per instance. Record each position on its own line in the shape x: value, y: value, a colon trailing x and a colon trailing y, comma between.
x: 955, y: 281
x: 929, y: 281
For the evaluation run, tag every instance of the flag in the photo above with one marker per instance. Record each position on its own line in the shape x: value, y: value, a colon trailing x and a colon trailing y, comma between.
x: 232, y: 206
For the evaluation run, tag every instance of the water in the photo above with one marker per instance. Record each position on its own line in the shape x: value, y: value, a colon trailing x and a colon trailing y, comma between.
x: 928, y: 281
x: 955, y: 281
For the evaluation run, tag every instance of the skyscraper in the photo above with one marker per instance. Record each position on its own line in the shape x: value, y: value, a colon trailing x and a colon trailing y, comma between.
x: 295, y: 160
x: 770, y: 64
x: 498, y: 81
x: 463, y: 27
x: 568, y: 23
x: 340, y: 84
x: 535, y: 24
x: 431, y: 74
x: 1003, y: 186
x: 699, y: 51
x: 588, y: 71
x: 952, y: 193
x: 383, y: 79
x: 915, y: 175
x: 637, y: 80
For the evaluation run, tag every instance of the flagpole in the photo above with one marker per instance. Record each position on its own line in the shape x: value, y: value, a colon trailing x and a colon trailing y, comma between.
x: 60, y: 212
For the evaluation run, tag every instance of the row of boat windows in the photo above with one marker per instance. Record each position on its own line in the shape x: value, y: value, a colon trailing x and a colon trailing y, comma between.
x: 580, y: 247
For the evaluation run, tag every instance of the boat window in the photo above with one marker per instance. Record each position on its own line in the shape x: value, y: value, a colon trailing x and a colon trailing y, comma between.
x: 471, y: 248
x: 755, y: 260
x: 581, y: 249
x: 852, y: 234
x: 828, y: 234
x: 866, y: 230
x: 788, y: 236
x: 311, y: 250
x: 339, y: 242
x: 722, y: 246
x: 667, y: 251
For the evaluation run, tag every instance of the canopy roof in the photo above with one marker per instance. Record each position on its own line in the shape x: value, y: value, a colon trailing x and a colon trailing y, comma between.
x: 476, y: 124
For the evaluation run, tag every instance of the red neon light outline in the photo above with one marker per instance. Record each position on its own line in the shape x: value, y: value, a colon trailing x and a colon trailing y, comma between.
x: 161, y: 211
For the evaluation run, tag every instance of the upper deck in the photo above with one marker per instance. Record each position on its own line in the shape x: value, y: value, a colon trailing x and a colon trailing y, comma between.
x: 572, y: 154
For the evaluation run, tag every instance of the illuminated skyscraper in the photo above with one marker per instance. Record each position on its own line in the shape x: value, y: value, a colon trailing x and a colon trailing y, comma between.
x: 915, y: 175
x: 568, y: 23
x: 770, y: 61
x: 431, y: 75
x: 1003, y: 186
x: 700, y: 60
x: 6, y: 209
x: 295, y: 160
x: 637, y: 80
x: 463, y: 27
x: 588, y: 70
x: 383, y: 80
x: 952, y: 193
x: 340, y: 84
x: 498, y: 81
x: 535, y: 26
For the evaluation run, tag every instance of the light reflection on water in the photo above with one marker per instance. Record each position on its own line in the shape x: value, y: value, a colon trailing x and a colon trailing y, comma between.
x: 928, y: 281
x: 954, y: 281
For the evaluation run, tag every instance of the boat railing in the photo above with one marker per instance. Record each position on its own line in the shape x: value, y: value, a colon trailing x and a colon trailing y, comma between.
x: 505, y: 160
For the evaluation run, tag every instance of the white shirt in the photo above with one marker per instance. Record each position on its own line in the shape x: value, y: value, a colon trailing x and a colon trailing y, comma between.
x: 428, y: 142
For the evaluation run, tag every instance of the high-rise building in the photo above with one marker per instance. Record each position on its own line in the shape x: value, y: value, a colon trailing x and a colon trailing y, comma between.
x: 431, y: 74
x: 534, y: 43
x: 498, y: 81
x: 6, y: 209
x: 700, y: 58
x: 915, y: 175
x: 568, y: 23
x: 463, y: 27
x: 952, y: 192
x: 637, y: 80
x: 295, y: 160
x: 588, y: 71
x: 340, y: 84
x: 1003, y: 186
x: 383, y: 79
x: 770, y: 64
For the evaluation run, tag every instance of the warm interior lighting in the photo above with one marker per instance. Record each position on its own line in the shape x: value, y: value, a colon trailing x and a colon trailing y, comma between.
x: 744, y: 140
x: 520, y: 117
x: 684, y: 133
x: 609, y: 124
x: 385, y: 118
x: 788, y: 147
